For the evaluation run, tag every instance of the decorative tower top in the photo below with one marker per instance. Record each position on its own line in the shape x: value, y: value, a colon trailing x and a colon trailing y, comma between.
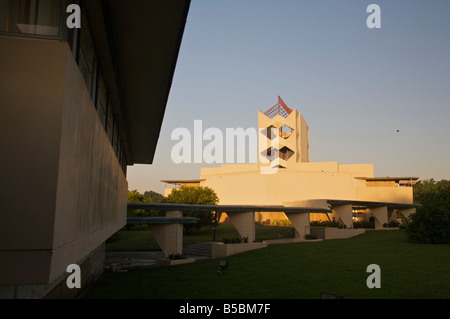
x: 278, y: 109
x: 284, y: 139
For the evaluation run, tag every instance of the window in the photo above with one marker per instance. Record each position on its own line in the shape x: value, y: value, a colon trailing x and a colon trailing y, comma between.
x: 286, y: 153
x: 39, y: 17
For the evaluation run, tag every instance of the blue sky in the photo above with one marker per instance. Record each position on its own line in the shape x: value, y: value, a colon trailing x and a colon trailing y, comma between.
x: 354, y: 86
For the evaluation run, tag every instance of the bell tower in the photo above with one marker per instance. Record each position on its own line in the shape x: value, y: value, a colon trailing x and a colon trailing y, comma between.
x: 283, y: 136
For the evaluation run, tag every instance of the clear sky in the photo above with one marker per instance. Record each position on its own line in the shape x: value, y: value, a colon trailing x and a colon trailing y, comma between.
x: 354, y: 86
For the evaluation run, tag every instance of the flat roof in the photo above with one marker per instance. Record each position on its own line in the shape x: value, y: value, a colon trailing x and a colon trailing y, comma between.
x: 265, y: 208
x: 361, y: 203
x: 162, y: 220
x: 387, y: 178
x: 179, y: 181
x: 225, y: 208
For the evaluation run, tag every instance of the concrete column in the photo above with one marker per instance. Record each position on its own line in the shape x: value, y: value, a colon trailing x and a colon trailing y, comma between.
x: 344, y: 214
x: 392, y: 214
x: 381, y: 216
x: 169, y: 236
x: 300, y: 221
x: 244, y: 223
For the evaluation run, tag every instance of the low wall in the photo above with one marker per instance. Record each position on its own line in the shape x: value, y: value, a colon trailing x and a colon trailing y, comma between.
x: 219, y: 250
x: 337, y: 233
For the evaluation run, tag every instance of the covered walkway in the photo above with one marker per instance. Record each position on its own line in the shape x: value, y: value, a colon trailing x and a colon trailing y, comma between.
x: 383, y: 212
x: 168, y: 230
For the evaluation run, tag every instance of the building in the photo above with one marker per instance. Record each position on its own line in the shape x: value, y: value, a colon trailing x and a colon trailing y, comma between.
x: 77, y: 105
x: 171, y: 184
x: 284, y: 176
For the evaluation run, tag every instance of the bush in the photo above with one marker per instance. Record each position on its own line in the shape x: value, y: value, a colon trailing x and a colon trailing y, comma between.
x: 310, y: 236
x: 236, y: 240
x: 322, y: 223
x: 280, y: 222
x: 431, y: 222
x: 135, y: 197
x: 364, y: 224
x: 176, y: 256
x: 391, y: 224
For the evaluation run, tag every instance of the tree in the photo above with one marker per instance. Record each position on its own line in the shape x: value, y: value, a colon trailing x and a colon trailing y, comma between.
x: 135, y: 197
x: 431, y: 222
x: 154, y: 197
x: 194, y: 195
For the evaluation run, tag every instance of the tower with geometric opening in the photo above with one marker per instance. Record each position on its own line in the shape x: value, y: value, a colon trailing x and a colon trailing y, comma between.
x: 283, y: 137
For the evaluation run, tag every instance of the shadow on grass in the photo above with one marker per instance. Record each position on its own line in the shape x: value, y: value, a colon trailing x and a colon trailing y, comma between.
x: 297, y: 271
x: 140, y: 238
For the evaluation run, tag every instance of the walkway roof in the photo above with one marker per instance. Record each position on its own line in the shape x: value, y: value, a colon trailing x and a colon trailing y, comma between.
x: 359, y: 203
x: 183, y: 181
x: 388, y: 178
x: 138, y: 42
x: 266, y: 208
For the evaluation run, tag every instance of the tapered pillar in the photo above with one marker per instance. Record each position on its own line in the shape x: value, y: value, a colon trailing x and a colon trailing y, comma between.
x: 344, y: 214
x: 381, y: 216
x: 244, y: 223
x: 301, y: 223
x: 169, y: 236
x: 392, y: 214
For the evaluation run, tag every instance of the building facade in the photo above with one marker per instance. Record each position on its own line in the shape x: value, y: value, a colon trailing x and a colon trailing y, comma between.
x: 77, y: 105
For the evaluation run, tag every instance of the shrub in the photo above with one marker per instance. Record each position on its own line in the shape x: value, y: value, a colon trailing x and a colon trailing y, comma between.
x: 391, y: 224
x: 235, y: 240
x: 135, y: 197
x: 176, y: 256
x: 310, y: 236
x: 280, y: 222
x: 364, y: 224
x: 322, y: 223
x: 431, y: 222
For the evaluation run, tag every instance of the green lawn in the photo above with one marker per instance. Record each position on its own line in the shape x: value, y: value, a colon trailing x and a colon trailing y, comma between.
x: 299, y: 270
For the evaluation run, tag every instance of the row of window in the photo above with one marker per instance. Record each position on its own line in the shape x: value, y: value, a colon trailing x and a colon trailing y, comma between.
x: 46, y: 18
x: 39, y: 17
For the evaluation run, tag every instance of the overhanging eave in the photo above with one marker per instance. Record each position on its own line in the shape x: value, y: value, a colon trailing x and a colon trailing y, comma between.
x: 142, y: 40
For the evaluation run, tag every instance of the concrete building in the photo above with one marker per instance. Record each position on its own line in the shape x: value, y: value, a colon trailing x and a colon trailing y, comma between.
x: 284, y: 176
x: 76, y: 107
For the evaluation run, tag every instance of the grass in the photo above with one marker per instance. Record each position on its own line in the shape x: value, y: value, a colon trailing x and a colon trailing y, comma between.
x: 139, y: 238
x: 296, y: 271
